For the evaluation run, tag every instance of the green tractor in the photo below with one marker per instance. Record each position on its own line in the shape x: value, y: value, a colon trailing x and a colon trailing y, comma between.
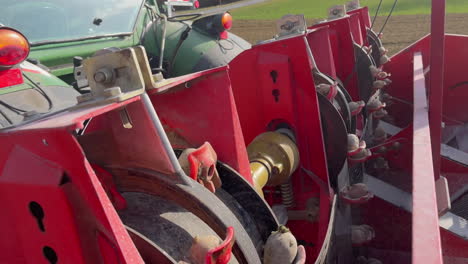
x: 63, y: 32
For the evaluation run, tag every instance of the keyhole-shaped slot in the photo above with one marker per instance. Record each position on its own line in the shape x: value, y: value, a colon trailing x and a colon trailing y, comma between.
x: 276, y: 94
x: 274, y: 76
x: 50, y: 254
x: 37, y: 211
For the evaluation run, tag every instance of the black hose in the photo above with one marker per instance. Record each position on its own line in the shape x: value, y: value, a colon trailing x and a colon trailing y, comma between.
x: 183, y: 37
x: 6, y: 117
x: 42, y: 92
x: 12, y: 108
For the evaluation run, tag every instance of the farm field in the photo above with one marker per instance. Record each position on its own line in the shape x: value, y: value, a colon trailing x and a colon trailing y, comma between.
x: 401, y: 30
x: 313, y: 9
x: 410, y: 20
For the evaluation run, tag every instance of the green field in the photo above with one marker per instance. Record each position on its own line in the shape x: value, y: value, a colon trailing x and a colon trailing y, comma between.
x: 274, y: 9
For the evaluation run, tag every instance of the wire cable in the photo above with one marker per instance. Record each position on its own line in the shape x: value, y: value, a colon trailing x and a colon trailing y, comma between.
x: 388, y: 17
x: 20, y: 111
x: 6, y: 117
x: 12, y: 108
x: 182, y: 38
x: 376, y: 13
x: 42, y: 92
x: 184, y: 17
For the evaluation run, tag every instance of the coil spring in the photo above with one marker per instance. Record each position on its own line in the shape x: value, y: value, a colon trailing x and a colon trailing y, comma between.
x: 287, y: 194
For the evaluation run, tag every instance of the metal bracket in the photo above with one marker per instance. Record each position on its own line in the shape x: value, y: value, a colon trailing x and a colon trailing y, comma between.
x: 113, y: 77
x: 170, y: 4
x: 443, y: 196
x: 118, y: 75
x: 290, y: 25
x: 336, y: 12
x: 352, y: 5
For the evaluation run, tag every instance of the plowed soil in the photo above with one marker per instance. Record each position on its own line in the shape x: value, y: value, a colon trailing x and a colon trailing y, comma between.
x: 400, y: 31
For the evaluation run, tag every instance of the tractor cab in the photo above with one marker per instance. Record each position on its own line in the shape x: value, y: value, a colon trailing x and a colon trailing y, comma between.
x: 61, y: 30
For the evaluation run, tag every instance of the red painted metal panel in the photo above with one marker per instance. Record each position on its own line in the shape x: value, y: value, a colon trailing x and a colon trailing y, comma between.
x: 392, y: 227
x: 342, y: 46
x: 437, y: 79
x: 32, y: 162
x: 10, y: 77
x: 364, y: 20
x: 356, y: 30
x: 456, y: 174
x: 426, y: 245
x: 454, y: 247
x: 401, y: 68
x: 272, y: 84
x: 319, y: 43
x: 105, y: 146
x: 205, y: 111
x: 455, y: 79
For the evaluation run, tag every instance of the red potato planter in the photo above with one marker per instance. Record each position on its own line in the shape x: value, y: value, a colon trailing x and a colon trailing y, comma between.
x: 316, y: 130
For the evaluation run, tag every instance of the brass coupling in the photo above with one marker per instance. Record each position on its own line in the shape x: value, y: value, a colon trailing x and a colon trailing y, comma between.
x: 273, y: 157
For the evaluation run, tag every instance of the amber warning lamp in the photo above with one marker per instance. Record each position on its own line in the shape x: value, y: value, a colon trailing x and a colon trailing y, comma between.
x: 14, y: 49
x: 217, y: 25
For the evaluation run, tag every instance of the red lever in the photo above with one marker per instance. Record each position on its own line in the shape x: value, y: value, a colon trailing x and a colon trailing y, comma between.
x: 222, y: 253
x: 202, y: 163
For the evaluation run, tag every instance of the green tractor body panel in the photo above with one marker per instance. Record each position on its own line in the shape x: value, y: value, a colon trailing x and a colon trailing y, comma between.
x: 59, y: 57
x: 32, y: 76
x: 41, y: 93
x: 198, y: 51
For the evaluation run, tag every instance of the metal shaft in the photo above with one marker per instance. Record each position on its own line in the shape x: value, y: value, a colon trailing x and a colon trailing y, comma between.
x: 162, y: 134
x: 273, y: 159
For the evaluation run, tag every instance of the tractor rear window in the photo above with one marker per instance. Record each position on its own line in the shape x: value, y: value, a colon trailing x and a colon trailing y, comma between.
x: 56, y: 20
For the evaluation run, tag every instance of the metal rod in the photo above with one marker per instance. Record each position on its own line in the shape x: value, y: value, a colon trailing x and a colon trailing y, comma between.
x: 437, y: 80
x: 162, y: 134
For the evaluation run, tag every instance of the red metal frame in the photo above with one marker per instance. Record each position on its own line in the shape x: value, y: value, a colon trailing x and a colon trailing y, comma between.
x: 426, y: 245
x: 228, y: 107
x: 204, y: 112
x: 255, y: 75
x: 341, y: 42
x: 436, y: 87
x: 43, y: 163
